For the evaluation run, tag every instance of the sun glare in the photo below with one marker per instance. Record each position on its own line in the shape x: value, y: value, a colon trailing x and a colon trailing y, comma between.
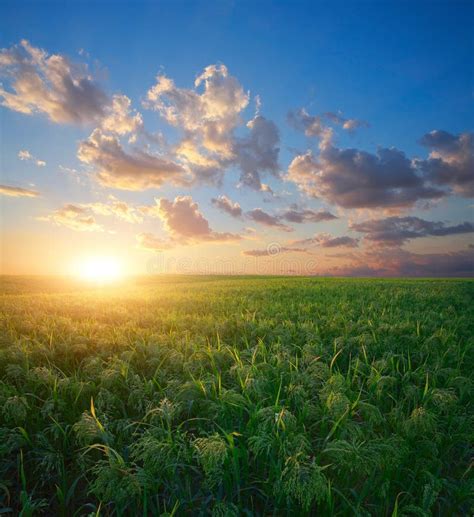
x: 100, y: 269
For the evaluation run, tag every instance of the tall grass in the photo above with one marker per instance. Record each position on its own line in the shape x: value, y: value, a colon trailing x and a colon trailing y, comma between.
x: 237, y: 396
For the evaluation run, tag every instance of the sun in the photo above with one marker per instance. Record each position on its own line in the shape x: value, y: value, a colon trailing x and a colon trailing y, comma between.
x: 100, y: 269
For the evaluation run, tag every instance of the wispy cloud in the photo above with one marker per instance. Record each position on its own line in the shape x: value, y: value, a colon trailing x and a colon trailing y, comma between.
x: 296, y: 215
x: 7, y: 190
x: 25, y: 155
x: 272, y: 251
x: 150, y: 242
x: 74, y: 217
x: 325, y: 240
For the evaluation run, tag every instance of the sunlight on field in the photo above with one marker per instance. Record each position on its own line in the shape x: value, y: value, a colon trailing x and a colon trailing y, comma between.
x: 100, y: 269
x: 291, y: 396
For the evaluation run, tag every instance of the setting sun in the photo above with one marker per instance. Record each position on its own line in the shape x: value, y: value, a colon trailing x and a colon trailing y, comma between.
x: 100, y: 269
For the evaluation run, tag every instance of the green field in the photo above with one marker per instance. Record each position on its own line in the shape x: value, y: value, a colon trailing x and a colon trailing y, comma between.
x: 237, y: 396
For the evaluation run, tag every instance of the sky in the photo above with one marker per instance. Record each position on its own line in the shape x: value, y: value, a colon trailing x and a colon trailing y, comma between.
x: 232, y: 137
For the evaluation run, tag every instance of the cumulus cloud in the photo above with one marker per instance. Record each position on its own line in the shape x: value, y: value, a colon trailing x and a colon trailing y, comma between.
x: 74, y: 217
x: 7, y: 190
x: 266, y: 219
x: 208, y: 117
x: 25, y: 155
x: 258, y: 152
x: 135, y: 170
x: 272, y: 252
x: 352, y: 178
x: 150, y: 242
x: 227, y: 205
x: 52, y: 85
x: 120, y: 118
x: 185, y: 223
x: 295, y: 215
x: 395, y: 231
x: 451, y: 161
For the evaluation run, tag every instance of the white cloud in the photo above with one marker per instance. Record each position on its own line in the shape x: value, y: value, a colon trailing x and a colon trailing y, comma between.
x: 25, y: 155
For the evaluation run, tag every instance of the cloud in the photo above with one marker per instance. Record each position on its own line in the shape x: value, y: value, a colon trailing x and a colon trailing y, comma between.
x: 150, y: 242
x: 25, y: 155
x: 50, y: 84
x: 310, y: 125
x: 208, y: 118
x: 185, y: 223
x: 451, y: 161
x: 295, y: 215
x: 6, y: 190
x: 349, y: 124
x: 352, y: 178
x: 261, y: 217
x: 315, y: 125
x: 136, y: 170
x: 272, y: 252
x: 399, y: 262
x: 227, y: 205
x: 120, y: 118
x: 119, y: 209
x: 395, y: 231
x: 258, y: 153
x: 74, y: 217
x: 325, y: 240
x: 328, y: 241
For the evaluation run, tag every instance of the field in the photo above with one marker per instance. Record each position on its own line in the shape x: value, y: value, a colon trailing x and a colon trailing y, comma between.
x: 237, y: 396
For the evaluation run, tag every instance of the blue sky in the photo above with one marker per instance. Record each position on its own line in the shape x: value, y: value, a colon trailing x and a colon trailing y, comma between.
x: 404, y: 68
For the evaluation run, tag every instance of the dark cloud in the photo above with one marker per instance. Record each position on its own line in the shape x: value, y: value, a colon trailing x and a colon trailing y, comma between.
x: 451, y: 161
x: 295, y: 215
x: 395, y: 231
x: 352, y: 178
x: 398, y: 262
x: 257, y: 153
x: 325, y: 240
x: 261, y: 217
x: 227, y: 205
